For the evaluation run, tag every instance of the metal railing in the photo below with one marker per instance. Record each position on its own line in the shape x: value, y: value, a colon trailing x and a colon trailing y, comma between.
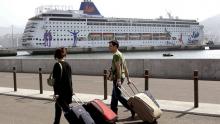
x: 146, y: 76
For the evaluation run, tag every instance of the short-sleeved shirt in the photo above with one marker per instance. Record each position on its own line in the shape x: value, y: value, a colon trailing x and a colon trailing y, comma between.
x: 118, y: 57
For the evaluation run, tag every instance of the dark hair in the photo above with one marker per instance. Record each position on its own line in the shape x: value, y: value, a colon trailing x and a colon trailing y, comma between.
x: 114, y: 43
x: 60, y: 53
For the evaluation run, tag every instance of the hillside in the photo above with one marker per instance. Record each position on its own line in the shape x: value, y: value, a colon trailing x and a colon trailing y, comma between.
x: 8, y: 30
x: 212, y: 28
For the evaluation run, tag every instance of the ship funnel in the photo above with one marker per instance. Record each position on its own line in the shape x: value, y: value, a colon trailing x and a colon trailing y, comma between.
x: 89, y: 8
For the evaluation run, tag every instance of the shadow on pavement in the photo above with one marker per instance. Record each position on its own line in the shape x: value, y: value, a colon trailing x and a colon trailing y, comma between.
x: 135, y: 120
x: 184, y: 113
x: 139, y: 123
x: 128, y: 119
x: 21, y: 99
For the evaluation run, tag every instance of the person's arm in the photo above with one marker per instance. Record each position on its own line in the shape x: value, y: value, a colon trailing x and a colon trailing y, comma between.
x: 71, y: 83
x: 57, y: 77
x: 118, y: 70
x: 126, y: 72
x: 117, y: 62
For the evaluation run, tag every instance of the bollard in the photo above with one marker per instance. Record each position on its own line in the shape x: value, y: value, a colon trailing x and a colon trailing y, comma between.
x: 196, y: 89
x: 40, y: 81
x: 146, y: 76
x: 105, y: 85
x: 15, y: 79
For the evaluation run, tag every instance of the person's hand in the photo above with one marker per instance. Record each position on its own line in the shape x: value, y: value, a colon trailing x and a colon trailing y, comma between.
x: 55, y: 97
x: 129, y: 81
x: 118, y: 84
x: 109, y: 75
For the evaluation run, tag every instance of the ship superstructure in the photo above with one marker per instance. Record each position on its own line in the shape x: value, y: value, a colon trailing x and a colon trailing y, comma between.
x: 56, y: 26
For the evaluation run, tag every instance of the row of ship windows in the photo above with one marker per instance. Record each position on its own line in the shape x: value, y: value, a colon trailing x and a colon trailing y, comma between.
x: 138, y: 25
x: 63, y: 23
x: 117, y: 28
x: 121, y: 24
x: 65, y: 26
x: 69, y: 39
x: 91, y: 23
x: 84, y: 35
x: 138, y: 28
x: 124, y: 30
x: 63, y: 34
x: 84, y: 26
x: 93, y: 39
x: 148, y: 42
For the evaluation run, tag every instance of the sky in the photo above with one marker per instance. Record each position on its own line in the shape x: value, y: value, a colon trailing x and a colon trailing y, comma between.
x: 17, y: 12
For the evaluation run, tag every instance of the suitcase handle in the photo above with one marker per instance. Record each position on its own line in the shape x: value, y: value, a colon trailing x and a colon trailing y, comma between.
x: 148, y: 93
x: 78, y: 99
x: 129, y: 84
x: 56, y: 96
x: 124, y: 91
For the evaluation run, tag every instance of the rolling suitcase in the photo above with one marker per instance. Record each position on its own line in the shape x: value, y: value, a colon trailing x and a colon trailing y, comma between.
x: 78, y: 115
x: 145, y: 108
x: 100, y: 112
x: 146, y: 92
x: 144, y: 105
x: 151, y: 97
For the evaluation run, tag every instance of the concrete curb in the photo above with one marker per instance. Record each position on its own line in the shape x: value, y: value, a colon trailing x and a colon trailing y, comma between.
x: 204, y: 109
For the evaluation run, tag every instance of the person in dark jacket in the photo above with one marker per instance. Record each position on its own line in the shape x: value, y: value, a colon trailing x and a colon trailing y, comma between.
x: 63, y: 90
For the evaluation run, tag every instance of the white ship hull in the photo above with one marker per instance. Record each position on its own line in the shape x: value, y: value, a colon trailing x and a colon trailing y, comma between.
x: 87, y: 28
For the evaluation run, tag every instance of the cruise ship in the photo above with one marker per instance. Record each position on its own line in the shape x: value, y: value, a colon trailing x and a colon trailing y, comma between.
x: 61, y: 26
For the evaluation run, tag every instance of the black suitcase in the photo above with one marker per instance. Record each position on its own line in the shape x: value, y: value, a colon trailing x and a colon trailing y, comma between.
x: 78, y: 115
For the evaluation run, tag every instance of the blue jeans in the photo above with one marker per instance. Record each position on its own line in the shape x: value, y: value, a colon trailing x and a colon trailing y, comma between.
x: 117, y: 96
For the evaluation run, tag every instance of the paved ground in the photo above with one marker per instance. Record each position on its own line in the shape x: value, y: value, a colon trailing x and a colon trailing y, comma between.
x: 163, y: 89
x: 167, y: 105
x: 19, y: 110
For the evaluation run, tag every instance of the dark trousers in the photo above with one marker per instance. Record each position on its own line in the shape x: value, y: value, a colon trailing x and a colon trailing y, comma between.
x: 59, y: 106
x: 117, y: 96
